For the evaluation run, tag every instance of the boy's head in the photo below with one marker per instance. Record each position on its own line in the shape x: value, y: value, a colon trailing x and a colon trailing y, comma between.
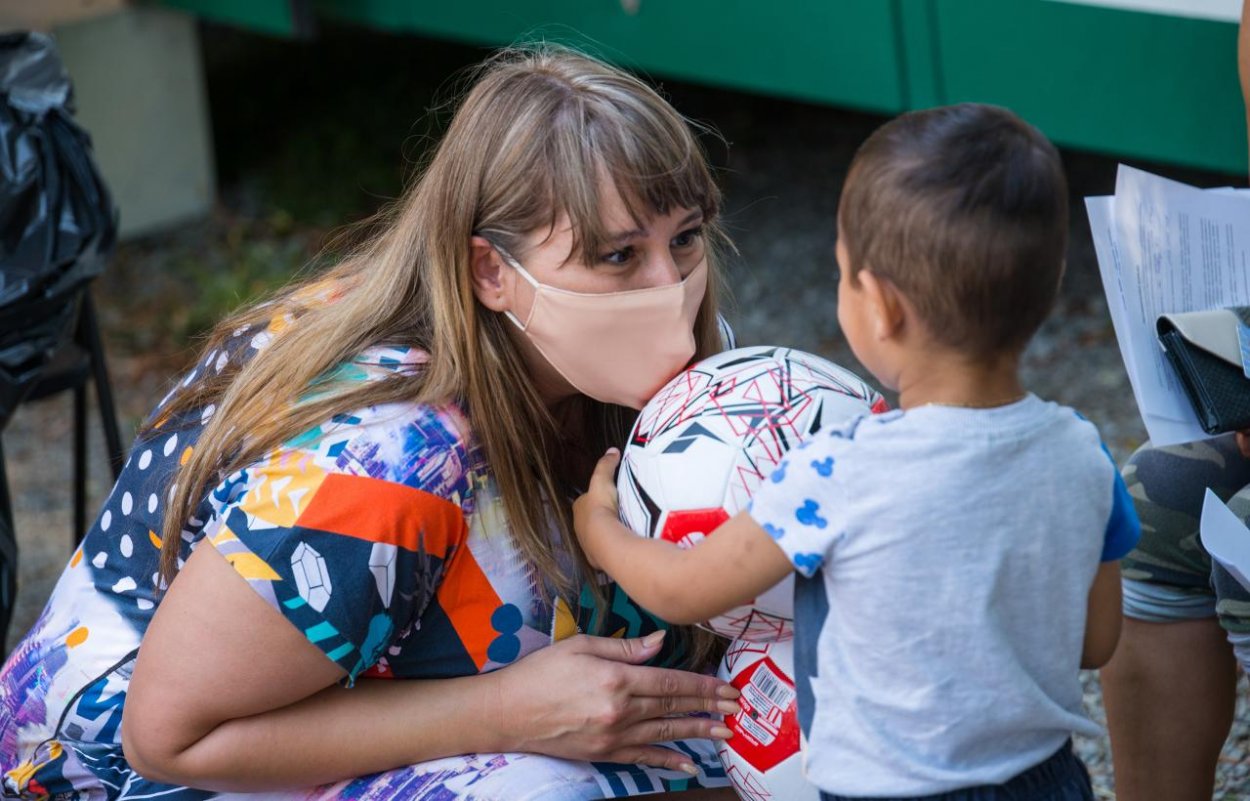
x: 964, y: 209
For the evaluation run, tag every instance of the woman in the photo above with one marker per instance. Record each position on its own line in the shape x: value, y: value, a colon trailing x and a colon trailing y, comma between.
x: 366, y: 478
x: 1171, y: 688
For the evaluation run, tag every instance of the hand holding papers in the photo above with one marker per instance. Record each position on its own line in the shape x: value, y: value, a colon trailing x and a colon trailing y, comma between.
x: 1164, y: 247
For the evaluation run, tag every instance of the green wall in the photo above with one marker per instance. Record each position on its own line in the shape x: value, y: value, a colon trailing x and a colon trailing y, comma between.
x: 1122, y: 82
x: 1142, y: 85
x: 838, y: 52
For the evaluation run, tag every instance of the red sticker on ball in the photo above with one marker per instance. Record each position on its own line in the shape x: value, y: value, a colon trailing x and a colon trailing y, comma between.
x: 686, y: 527
x: 766, y: 731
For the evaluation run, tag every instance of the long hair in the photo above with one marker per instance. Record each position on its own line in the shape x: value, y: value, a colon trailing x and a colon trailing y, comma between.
x: 527, y: 146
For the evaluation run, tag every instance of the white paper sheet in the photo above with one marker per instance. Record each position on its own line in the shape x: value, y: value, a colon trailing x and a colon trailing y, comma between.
x: 1224, y: 10
x: 1225, y: 537
x: 1101, y: 215
x: 1165, y: 247
x: 1101, y: 210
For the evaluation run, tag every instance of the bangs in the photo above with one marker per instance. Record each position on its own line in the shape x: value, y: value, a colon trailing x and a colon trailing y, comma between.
x: 646, y: 152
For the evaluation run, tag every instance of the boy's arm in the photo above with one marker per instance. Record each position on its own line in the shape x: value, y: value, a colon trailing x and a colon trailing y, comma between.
x: 1103, y: 614
x: 730, y: 567
x: 1103, y: 617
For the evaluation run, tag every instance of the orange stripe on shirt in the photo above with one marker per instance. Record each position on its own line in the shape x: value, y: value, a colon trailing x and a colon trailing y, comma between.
x: 382, y: 511
x: 469, y: 600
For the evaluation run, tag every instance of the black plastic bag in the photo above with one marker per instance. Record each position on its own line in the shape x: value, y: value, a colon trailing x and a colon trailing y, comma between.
x: 57, y: 230
x: 57, y: 221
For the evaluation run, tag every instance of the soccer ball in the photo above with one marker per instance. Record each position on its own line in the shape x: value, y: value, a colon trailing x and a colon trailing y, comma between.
x: 707, y: 440
x: 764, y: 757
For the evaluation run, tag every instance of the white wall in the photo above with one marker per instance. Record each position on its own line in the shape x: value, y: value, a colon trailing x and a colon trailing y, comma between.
x: 139, y: 92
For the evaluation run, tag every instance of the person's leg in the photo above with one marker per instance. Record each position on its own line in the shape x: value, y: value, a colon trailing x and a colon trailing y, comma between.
x: 1233, y: 600
x: 1169, y: 696
x: 1169, y: 689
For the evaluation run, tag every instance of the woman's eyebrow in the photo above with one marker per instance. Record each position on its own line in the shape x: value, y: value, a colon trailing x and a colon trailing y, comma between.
x: 624, y: 236
x: 641, y: 232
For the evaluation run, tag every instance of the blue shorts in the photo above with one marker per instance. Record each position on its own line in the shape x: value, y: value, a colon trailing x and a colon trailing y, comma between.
x: 1062, y: 777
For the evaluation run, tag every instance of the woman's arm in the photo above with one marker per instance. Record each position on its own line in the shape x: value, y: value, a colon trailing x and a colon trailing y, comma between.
x: 728, y: 568
x: 1103, y: 617
x: 221, y: 677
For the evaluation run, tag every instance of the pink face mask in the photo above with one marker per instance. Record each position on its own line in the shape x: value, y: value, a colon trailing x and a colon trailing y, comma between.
x: 616, y: 347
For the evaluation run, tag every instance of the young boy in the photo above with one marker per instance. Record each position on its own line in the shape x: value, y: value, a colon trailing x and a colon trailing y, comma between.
x: 961, y: 549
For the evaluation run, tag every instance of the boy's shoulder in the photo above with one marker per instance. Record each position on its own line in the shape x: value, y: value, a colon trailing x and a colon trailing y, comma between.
x: 1067, y: 419
x: 1056, y: 440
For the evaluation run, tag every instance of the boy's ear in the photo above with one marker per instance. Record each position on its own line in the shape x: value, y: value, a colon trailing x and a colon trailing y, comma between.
x: 885, y: 303
x: 490, y: 285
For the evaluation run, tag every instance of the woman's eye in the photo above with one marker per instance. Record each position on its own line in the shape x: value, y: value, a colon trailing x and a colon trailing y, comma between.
x: 687, y: 238
x: 618, y: 257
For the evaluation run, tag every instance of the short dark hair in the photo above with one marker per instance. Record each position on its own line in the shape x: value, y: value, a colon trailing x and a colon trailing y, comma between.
x: 965, y: 209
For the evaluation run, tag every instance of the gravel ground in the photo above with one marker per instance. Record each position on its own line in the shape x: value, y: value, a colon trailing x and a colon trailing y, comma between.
x: 782, y: 165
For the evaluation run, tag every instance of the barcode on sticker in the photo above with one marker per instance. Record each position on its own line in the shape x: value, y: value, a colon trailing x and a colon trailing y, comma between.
x: 773, y: 687
x: 762, y: 733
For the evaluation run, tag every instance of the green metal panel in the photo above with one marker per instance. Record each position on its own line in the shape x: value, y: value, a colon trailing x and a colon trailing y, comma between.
x: 919, y: 59
x: 841, y: 52
x: 1139, y: 84
x: 1143, y: 85
x: 268, y: 16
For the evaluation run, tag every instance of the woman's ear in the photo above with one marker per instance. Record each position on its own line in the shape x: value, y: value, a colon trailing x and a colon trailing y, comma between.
x: 886, y: 305
x: 491, y: 286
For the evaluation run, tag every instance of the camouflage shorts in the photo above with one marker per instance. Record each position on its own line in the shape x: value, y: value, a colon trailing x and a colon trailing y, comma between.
x: 1170, y: 576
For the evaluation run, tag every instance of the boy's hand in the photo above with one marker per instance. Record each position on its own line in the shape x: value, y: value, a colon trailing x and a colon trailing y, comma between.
x: 1243, y: 443
x: 599, y: 503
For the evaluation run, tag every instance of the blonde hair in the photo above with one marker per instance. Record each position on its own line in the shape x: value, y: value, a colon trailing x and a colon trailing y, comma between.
x: 527, y: 146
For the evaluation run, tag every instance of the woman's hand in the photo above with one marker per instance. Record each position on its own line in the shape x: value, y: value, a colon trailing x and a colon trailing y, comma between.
x: 1243, y: 437
x: 599, y: 503
x: 587, y: 698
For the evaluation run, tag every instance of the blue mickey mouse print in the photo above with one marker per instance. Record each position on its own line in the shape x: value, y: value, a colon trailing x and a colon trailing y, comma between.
x: 808, y: 563
x: 807, y: 514
x: 797, y: 504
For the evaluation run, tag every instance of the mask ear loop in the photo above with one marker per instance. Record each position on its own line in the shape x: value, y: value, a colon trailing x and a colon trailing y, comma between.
x: 516, y: 265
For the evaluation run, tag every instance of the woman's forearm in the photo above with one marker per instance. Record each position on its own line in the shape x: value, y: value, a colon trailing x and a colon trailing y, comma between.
x: 341, y: 733
x: 220, y: 706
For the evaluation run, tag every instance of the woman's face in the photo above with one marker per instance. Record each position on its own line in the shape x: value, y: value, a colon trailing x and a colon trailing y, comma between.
x: 662, y: 251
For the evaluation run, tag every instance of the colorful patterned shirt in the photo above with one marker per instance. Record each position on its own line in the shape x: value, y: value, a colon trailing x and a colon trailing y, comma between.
x: 379, y: 535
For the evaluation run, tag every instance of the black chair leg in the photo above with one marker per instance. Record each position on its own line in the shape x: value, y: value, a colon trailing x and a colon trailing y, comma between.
x: 88, y: 337
x: 80, y: 462
x: 89, y: 329
x: 8, y: 555
x: 6, y: 503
